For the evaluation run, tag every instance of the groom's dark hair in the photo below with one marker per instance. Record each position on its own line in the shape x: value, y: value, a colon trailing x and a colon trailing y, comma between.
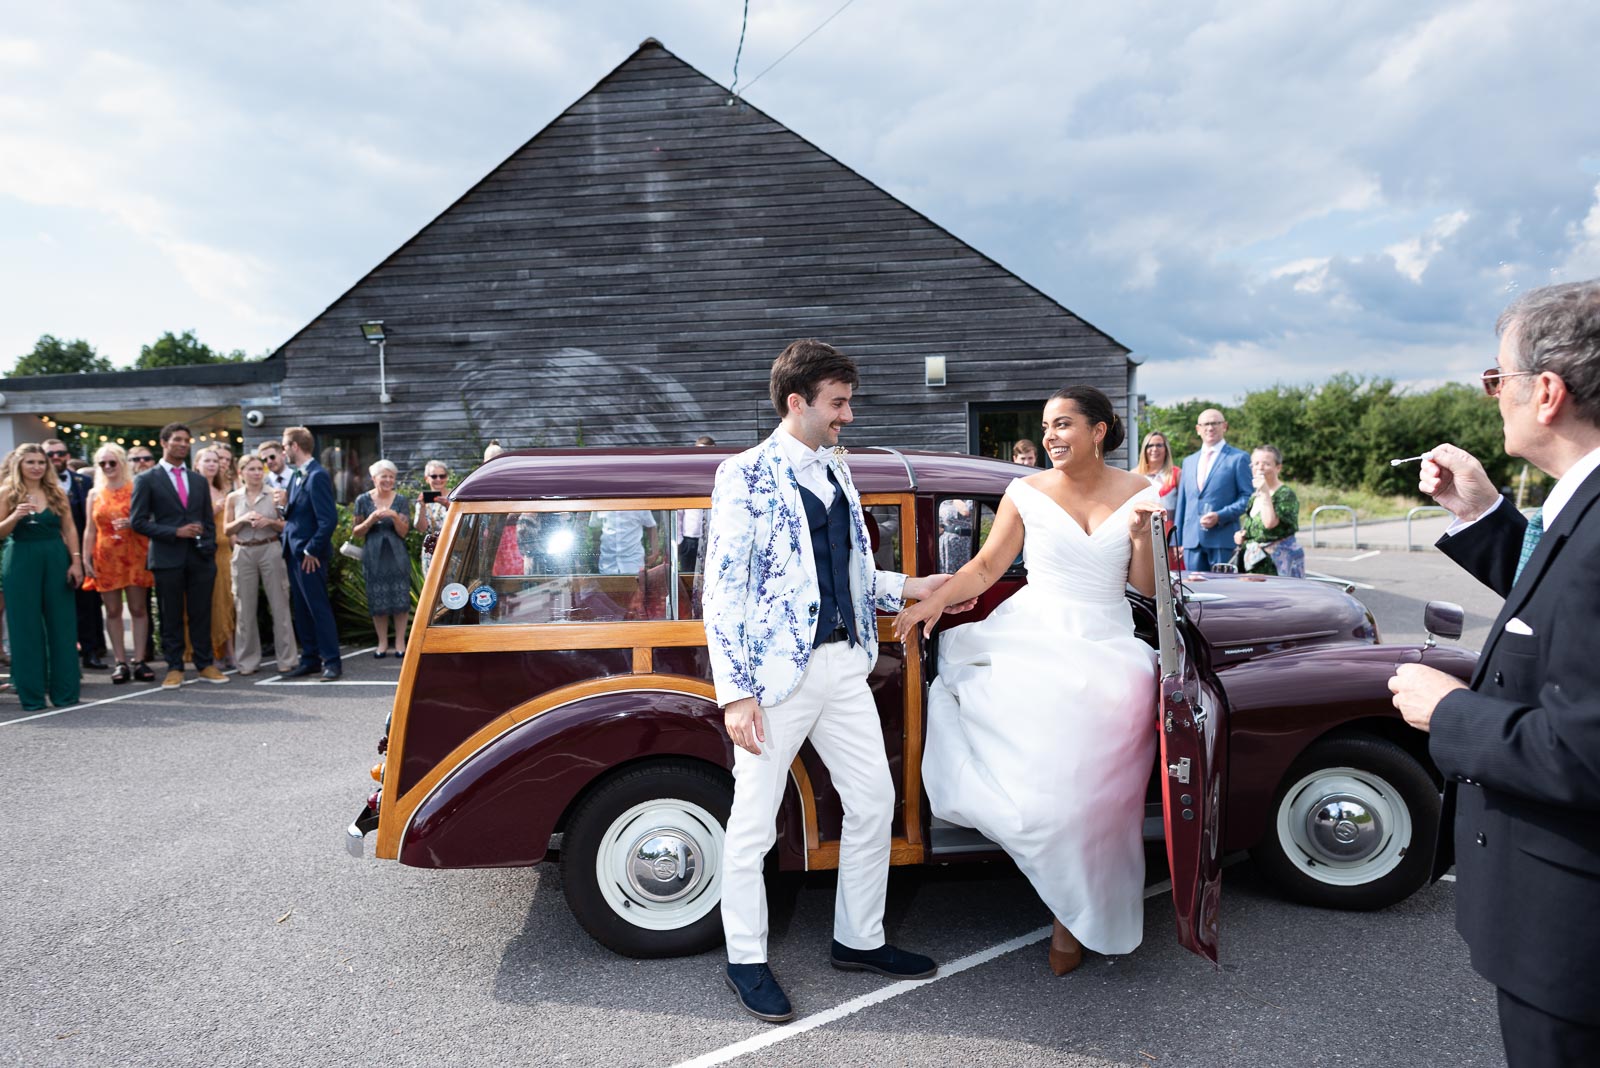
x: 804, y: 366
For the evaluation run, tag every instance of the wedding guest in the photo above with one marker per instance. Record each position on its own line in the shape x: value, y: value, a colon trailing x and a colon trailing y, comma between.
x: 955, y: 533
x: 251, y: 520
x: 91, y: 629
x: 385, y: 565
x: 1157, y: 465
x: 211, y: 464
x: 310, y: 516
x: 140, y: 460
x: 431, y: 513
x: 171, y: 507
x: 41, y: 566
x: 691, y: 526
x: 114, y: 558
x: 1266, y: 530
x: 1212, y: 492
x: 277, y: 474
x: 1025, y: 452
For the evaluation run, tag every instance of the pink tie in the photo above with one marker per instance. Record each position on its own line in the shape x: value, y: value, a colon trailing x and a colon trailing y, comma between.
x: 1206, y: 459
x: 183, y: 486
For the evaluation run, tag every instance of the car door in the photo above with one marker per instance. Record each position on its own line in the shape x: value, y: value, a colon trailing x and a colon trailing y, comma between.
x: 1191, y: 725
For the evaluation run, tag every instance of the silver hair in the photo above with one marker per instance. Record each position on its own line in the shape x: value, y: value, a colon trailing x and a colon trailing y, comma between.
x: 383, y: 465
x: 1558, y: 330
x: 431, y: 464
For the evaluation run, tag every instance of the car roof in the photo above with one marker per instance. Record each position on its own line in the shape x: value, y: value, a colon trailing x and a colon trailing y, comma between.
x: 562, y: 474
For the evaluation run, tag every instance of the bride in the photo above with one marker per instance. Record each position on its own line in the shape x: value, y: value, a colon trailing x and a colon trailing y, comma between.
x: 1041, y: 722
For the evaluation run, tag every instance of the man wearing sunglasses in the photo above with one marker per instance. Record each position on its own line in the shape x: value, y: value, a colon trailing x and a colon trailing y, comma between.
x: 91, y: 624
x: 1520, y: 748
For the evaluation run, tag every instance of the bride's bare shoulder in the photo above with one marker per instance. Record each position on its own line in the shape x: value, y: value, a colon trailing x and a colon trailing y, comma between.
x: 1131, y: 483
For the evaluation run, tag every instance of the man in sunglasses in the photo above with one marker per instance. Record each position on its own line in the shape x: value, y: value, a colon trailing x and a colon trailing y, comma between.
x: 278, y: 473
x: 1520, y: 748
x: 91, y: 622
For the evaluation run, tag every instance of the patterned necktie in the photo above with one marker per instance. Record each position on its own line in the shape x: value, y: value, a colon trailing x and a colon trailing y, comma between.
x: 183, y: 486
x: 1530, y: 541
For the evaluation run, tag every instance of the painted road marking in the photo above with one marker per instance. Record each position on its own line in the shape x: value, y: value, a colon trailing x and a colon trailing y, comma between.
x: 1341, y: 581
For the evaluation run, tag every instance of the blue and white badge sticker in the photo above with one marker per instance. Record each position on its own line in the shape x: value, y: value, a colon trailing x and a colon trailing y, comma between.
x: 484, y: 599
x: 454, y: 596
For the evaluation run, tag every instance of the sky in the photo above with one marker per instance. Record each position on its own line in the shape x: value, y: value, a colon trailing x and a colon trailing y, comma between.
x: 1245, y: 193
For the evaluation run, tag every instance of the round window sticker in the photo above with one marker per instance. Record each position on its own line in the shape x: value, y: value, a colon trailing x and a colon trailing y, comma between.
x: 484, y: 599
x: 454, y: 596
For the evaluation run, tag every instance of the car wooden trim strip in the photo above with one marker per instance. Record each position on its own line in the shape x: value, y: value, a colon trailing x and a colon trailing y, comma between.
x: 911, y: 745
x: 406, y: 807
x: 388, y: 836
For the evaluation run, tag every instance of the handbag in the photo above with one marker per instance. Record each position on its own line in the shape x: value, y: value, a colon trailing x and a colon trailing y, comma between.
x: 352, y: 550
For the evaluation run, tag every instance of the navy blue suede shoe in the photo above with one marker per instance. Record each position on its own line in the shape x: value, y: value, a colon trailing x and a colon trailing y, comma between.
x: 759, y: 992
x: 885, y: 960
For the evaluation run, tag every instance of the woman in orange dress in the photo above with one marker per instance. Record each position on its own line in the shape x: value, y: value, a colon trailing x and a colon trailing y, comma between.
x: 115, y: 558
x: 212, y: 466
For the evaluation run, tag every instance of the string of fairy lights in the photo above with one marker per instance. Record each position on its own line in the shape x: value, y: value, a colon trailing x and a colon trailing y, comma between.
x: 70, y: 432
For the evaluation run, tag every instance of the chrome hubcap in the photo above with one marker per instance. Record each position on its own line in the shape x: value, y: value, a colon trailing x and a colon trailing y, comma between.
x: 664, y: 865
x: 1343, y: 829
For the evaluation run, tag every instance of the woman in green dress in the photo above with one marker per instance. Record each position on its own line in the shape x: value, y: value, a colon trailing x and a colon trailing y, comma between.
x: 1266, y: 530
x: 41, y: 566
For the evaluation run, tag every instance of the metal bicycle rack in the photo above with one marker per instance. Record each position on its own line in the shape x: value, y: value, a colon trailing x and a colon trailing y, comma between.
x: 1335, y: 508
x: 1413, y: 512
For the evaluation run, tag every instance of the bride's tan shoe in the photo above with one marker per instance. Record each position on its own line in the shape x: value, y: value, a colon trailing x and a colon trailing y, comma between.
x: 1066, y: 953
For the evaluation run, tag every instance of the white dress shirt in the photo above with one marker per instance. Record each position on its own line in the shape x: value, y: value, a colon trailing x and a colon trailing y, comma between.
x: 810, y: 466
x: 1208, y: 459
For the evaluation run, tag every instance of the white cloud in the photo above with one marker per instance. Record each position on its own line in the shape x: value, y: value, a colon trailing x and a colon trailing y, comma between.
x: 1411, y: 257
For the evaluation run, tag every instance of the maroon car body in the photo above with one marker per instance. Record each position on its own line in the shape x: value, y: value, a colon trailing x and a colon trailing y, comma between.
x: 574, y: 716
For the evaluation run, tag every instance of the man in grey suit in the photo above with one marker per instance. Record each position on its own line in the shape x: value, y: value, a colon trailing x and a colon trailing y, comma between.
x: 1213, y: 493
x: 172, y: 507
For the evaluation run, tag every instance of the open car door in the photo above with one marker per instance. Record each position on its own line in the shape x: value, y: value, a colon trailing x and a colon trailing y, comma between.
x: 1191, y: 726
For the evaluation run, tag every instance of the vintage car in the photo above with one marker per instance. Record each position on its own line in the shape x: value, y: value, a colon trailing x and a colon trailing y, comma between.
x: 556, y: 702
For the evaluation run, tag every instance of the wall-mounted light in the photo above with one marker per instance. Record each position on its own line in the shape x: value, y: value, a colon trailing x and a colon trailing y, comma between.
x: 372, y: 330
x: 933, y: 370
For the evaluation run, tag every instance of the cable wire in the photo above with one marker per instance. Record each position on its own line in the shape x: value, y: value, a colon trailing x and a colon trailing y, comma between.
x: 798, y: 43
x: 733, y: 90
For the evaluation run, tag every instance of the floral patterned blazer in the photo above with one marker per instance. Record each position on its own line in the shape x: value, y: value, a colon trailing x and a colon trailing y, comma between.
x: 761, y: 594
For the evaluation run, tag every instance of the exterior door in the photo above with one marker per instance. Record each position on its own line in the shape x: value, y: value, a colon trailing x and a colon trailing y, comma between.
x: 1191, y: 723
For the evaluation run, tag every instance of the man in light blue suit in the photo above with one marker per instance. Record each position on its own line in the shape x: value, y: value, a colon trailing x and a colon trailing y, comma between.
x: 1212, y: 494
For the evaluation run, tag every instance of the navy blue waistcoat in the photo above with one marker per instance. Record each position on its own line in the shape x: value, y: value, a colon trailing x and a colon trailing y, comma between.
x: 830, y: 544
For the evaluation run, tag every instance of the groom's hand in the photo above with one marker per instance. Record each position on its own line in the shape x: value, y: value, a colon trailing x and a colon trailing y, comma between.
x: 743, y: 720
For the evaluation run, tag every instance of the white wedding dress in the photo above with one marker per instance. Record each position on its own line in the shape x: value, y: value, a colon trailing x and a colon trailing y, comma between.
x: 1042, y: 724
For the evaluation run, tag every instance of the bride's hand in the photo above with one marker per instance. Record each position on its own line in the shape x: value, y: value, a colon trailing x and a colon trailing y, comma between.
x: 1139, y: 521
x: 921, y: 614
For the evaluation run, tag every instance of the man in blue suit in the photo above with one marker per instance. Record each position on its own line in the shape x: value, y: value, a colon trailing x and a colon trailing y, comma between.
x: 1212, y: 494
x: 309, y: 517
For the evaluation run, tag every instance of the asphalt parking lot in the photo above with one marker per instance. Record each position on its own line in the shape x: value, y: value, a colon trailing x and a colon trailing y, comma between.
x: 177, y: 893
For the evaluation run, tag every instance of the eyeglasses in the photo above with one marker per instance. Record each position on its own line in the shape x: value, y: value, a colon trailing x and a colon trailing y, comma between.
x: 1213, y: 422
x: 108, y: 465
x: 141, y: 459
x: 1155, y: 445
x: 438, y: 476
x: 56, y: 455
x: 1492, y: 377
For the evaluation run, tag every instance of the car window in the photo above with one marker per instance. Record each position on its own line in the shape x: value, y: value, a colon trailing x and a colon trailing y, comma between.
x: 883, y: 530
x: 986, y: 514
x: 958, y: 530
x: 563, y: 567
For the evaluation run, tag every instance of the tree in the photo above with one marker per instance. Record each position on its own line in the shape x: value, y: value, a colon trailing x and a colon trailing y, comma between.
x: 182, y: 350
x: 52, y: 356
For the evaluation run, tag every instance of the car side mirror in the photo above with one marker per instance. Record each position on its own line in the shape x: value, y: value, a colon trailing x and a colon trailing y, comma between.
x: 1443, y: 619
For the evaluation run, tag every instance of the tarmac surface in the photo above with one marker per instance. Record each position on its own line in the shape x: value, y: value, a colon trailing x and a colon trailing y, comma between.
x: 177, y: 893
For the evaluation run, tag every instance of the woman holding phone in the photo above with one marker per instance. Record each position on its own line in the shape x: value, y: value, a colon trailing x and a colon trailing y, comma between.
x: 431, y: 510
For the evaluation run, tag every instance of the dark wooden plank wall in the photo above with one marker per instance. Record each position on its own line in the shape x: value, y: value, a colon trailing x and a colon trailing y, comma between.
x: 631, y: 272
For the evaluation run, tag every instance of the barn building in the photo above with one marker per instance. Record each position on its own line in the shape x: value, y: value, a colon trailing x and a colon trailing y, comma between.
x: 626, y: 278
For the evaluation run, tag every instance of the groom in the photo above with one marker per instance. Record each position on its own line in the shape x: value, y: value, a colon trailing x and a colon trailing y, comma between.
x: 791, y: 603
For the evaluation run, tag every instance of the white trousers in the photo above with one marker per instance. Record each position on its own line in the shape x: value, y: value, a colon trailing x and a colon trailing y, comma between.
x: 834, y: 708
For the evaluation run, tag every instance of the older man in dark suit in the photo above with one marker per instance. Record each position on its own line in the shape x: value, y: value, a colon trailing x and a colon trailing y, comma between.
x: 1521, y: 747
x: 172, y: 507
x: 309, y: 518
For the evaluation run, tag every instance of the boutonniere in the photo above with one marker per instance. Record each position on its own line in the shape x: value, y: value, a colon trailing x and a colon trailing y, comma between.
x: 839, y: 453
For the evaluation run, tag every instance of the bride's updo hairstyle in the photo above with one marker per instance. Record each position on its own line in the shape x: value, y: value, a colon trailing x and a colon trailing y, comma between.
x: 1096, y: 407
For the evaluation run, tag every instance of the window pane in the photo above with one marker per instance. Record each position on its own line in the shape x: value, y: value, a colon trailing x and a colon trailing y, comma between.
x: 986, y: 514
x: 689, y: 534
x: 883, y: 529
x: 957, y: 523
x: 558, y: 567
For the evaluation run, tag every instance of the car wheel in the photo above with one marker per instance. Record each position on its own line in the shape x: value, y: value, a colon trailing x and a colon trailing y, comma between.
x: 1353, y: 826
x: 641, y: 861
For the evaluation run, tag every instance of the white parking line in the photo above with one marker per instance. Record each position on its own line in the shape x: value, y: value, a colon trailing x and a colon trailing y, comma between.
x: 876, y: 997
x: 187, y: 682
x: 1358, y: 556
